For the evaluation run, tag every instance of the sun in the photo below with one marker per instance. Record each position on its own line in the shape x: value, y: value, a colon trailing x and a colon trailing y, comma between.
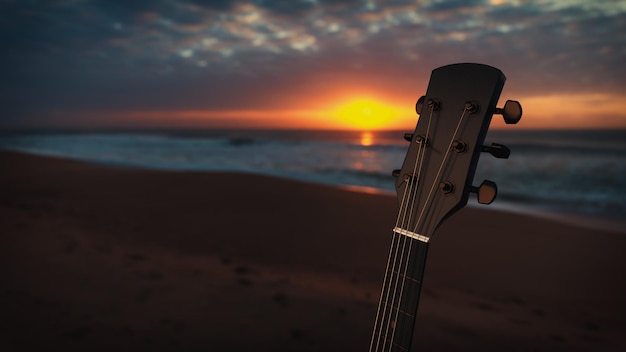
x: 366, y: 114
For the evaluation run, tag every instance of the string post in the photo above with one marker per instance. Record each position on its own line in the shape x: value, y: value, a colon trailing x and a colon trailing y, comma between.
x: 434, y: 104
x: 472, y: 107
x: 446, y: 187
x: 459, y: 146
x: 423, y: 140
x: 410, y: 179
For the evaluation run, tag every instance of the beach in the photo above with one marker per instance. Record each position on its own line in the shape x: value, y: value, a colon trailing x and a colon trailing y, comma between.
x: 98, y: 257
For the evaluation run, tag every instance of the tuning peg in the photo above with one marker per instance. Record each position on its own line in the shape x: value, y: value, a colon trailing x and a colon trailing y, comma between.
x: 408, y: 137
x: 395, y: 173
x: 512, y: 112
x: 487, y: 192
x: 498, y: 150
x: 419, y: 105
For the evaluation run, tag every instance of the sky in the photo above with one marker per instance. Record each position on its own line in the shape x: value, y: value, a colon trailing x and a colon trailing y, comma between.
x: 301, y: 64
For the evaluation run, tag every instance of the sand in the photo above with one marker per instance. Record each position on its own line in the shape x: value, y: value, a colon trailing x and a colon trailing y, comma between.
x: 102, y: 258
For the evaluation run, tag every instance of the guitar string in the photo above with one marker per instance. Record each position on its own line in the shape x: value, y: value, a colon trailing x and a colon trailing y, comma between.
x: 445, y: 158
x: 422, y: 159
x: 436, y: 180
x: 444, y: 161
x: 412, y: 186
x: 383, y: 297
x: 407, y: 219
x: 394, y: 253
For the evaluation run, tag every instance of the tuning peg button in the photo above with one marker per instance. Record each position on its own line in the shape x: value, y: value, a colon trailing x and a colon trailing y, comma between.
x: 500, y: 151
x: 487, y: 192
x: 408, y: 137
x: 419, y: 105
x: 511, y: 112
x: 395, y: 173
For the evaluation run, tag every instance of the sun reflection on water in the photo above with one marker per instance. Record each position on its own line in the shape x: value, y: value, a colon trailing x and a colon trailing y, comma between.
x: 367, y: 139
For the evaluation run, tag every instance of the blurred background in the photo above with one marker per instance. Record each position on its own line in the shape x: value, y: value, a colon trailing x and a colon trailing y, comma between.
x: 318, y: 90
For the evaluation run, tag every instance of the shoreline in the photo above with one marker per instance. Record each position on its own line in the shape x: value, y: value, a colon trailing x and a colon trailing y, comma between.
x: 604, y: 223
x: 100, y: 257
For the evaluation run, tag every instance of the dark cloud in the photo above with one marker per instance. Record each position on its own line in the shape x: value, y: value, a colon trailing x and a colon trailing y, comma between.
x: 453, y: 5
x: 221, y: 5
x: 289, y: 8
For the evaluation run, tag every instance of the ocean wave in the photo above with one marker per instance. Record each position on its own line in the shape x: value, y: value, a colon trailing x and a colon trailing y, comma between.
x: 547, y: 170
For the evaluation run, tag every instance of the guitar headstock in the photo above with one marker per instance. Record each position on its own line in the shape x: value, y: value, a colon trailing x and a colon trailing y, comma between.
x: 437, y: 173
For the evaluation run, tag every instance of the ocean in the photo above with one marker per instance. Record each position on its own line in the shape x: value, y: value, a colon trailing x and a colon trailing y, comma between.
x: 567, y: 172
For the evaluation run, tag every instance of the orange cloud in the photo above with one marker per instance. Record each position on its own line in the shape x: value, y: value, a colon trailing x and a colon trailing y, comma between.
x: 568, y: 111
x: 366, y: 112
x: 353, y: 113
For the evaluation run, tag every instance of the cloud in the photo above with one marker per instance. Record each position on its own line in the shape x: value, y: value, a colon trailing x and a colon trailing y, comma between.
x: 222, y: 54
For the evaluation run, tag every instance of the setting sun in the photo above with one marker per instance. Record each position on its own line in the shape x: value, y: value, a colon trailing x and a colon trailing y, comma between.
x: 367, y: 114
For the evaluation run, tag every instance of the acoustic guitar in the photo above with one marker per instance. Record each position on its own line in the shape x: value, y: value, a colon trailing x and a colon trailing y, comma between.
x: 434, y: 182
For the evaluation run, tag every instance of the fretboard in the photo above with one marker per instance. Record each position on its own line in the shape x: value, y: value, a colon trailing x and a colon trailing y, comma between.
x: 395, y: 318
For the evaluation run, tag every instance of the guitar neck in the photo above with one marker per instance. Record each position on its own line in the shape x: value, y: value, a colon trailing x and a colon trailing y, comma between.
x: 397, y: 309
